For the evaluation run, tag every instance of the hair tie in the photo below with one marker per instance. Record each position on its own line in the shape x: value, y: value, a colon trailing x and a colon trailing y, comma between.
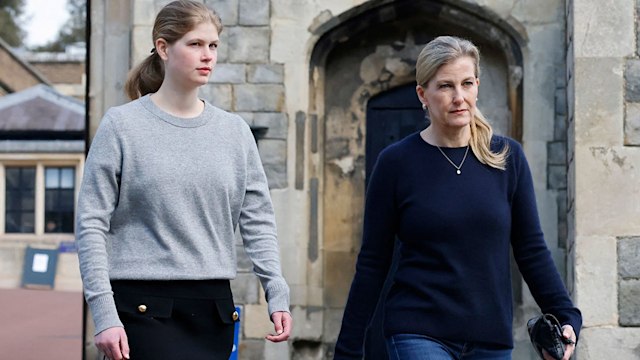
x: 153, y: 50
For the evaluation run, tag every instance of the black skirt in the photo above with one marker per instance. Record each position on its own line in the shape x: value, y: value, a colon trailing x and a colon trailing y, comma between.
x: 185, y: 319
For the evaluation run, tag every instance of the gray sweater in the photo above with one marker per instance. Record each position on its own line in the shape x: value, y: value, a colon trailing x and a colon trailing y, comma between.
x: 161, y: 197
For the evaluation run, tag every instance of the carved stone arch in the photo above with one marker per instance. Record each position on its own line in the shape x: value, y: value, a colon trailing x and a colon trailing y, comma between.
x: 360, y: 53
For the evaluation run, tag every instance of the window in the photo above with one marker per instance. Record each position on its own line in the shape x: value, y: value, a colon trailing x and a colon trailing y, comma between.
x: 38, y: 195
x: 59, y: 186
x: 20, y: 199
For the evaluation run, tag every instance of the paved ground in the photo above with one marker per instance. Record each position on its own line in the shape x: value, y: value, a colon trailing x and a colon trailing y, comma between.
x: 40, y: 324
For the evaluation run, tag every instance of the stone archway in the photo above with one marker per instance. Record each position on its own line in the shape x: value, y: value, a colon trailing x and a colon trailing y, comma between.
x: 363, y: 52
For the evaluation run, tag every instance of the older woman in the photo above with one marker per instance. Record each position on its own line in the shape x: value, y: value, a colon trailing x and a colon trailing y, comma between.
x: 458, y: 199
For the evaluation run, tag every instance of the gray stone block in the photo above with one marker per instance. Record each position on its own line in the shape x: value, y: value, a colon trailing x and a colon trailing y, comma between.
x: 332, y: 324
x: 247, y: 116
x: 628, y: 256
x: 227, y: 9
x: 308, y: 319
x: 557, y: 176
x: 249, y: 44
x: 632, y: 124
x: 243, y: 261
x: 560, y: 128
x: 629, y: 302
x: 250, y: 349
x: 276, y: 124
x: 557, y: 153
x: 561, y: 102
x: 218, y: 95
x: 277, y: 351
x: 265, y: 98
x: 245, y: 288
x: 561, y: 200
x: 228, y: 74
x: 274, y: 159
x: 563, y: 232
x: 266, y: 73
x: 632, y: 80
x: 223, y: 47
x: 308, y: 350
x: 254, y: 12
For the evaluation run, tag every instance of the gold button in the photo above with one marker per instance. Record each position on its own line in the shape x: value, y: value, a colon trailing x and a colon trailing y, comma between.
x: 142, y: 308
x: 235, y: 316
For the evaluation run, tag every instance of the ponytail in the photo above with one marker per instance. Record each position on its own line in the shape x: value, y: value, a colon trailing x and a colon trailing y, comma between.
x: 145, y: 78
x: 480, y: 143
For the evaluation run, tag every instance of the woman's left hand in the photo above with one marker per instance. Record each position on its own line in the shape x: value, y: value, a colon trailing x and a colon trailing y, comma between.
x: 567, y: 333
x: 282, y: 323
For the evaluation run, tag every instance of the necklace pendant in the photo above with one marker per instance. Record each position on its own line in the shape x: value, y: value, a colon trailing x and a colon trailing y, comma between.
x: 458, y: 172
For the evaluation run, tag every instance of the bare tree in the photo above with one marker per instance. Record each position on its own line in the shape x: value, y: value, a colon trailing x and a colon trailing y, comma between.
x: 10, y: 22
x: 73, y: 31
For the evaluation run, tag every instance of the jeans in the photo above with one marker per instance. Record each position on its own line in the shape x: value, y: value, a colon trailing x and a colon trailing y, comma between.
x: 420, y: 347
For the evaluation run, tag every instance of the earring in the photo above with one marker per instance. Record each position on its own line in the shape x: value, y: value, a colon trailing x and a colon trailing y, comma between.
x: 424, y: 106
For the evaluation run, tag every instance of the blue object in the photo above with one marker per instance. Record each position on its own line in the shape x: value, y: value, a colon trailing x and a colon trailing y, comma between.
x: 39, y: 267
x: 68, y: 247
x: 236, y: 337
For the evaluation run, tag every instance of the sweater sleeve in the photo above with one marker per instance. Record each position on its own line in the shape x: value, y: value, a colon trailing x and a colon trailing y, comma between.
x: 258, y: 231
x: 374, y: 259
x: 530, y: 249
x: 96, y: 202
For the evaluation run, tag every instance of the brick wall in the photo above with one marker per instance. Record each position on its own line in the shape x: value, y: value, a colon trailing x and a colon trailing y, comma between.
x: 62, y: 72
x: 14, y: 76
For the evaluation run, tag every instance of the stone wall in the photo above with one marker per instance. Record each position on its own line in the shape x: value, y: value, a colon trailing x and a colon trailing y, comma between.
x: 248, y: 83
x: 579, y: 123
x: 603, y: 174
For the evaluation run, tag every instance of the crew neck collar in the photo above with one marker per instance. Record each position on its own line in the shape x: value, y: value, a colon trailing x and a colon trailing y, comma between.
x: 192, y: 122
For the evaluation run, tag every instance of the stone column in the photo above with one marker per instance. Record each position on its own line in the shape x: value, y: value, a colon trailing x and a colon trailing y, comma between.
x: 603, y: 180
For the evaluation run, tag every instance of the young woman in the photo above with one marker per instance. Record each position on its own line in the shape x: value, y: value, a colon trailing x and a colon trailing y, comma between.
x: 458, y: 199
x: 168, y: 179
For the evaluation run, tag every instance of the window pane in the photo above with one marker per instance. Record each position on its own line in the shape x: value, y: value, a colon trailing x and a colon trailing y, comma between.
x: 51, y: 223
x: 20, y: 177
x: 52, y: 178
x: 58, y: 222
x: 12, y: 201
x: 67, y: 178
x: 11, y: 222
x: 28, y: 201
x: 66, y: 200
x: 16, y: 222
x: 20, y: 200
x: 50, y: 200
x: 28, y: 223
x: 28, y: 179
x: 13, y: 178
x: 67, y: 223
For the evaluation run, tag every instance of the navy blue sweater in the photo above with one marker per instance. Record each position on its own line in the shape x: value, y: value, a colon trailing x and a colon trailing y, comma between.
x: 453, y: 280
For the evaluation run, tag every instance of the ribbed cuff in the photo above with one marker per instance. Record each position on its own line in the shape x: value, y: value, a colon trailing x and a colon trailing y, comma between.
x: 278, y: 298
x: 105, y: 315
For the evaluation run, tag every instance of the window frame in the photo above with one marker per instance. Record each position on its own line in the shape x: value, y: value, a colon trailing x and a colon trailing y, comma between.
x: 40, y: 162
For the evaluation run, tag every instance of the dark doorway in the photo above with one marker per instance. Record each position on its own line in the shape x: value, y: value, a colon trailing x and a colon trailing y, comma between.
x: 391, y: 116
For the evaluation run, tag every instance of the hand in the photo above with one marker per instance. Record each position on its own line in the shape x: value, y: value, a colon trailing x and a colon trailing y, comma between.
x: 282, y: 323
x: 113, y: 343
x: 567, y: 333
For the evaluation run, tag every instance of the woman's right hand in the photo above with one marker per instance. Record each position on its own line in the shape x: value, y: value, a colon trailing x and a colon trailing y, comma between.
x: 113, y: 343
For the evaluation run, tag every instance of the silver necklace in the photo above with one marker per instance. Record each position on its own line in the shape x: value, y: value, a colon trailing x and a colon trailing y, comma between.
x: 458, y: 167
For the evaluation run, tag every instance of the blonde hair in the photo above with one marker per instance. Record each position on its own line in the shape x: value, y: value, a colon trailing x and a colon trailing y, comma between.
x: 172, y: 23
x: 443, y: 50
